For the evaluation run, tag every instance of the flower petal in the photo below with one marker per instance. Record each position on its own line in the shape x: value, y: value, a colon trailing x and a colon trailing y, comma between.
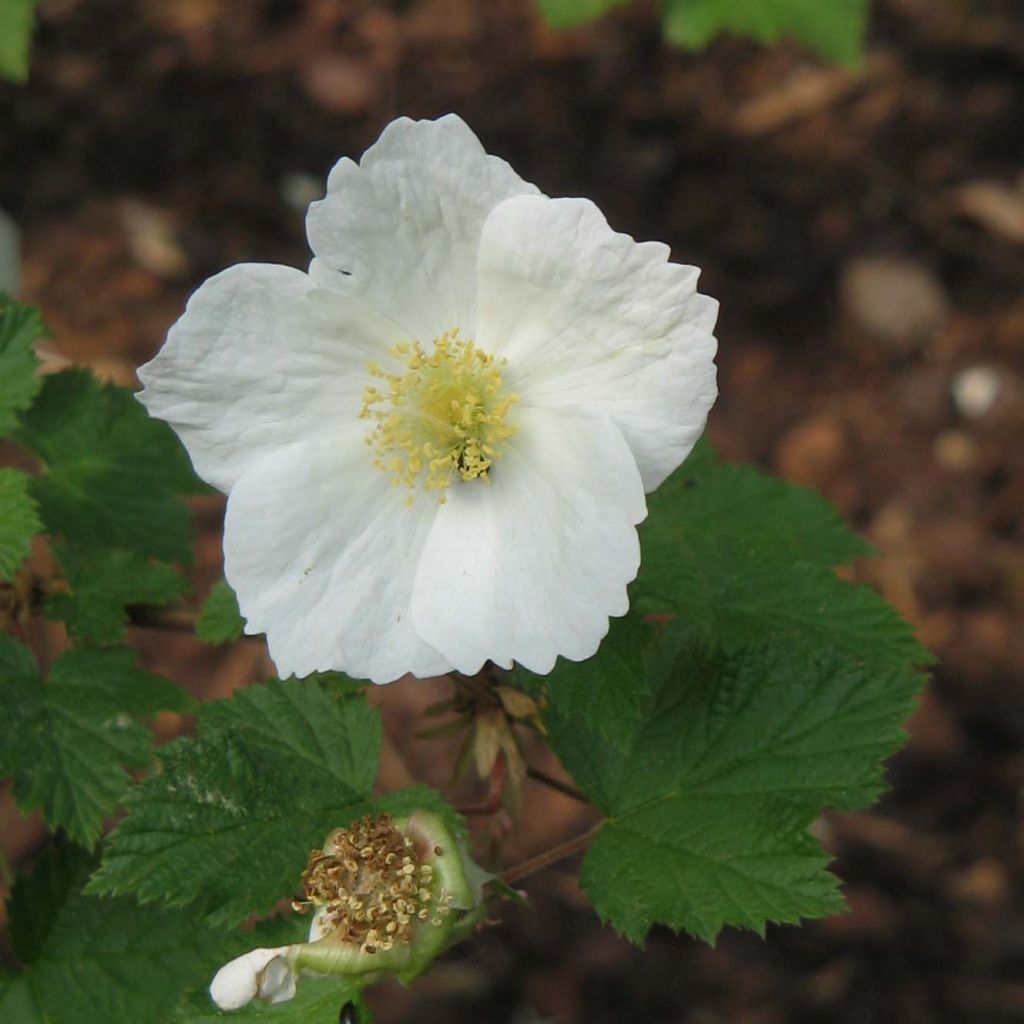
x: 321, y: 551
x: 533, y: 565
x: 242, y: 979
x: 260, y: 358
x: 588, y: 317
x: 401, y: 228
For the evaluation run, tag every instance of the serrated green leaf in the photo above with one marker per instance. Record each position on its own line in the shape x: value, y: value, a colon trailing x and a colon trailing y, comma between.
x: 111, y: 473
x: 733, y: 757
x: 739, y: 505
x: 233, y: 815
x: 608, y: 690
x: 566, y: 13
x: 69, y: 742
x: 741, y: 557
x: 95, y: 961
x: 104, y: 583
x: 219, y: 620
x: 19, y: 521
x: 834, y: 28
x: 20, y: 328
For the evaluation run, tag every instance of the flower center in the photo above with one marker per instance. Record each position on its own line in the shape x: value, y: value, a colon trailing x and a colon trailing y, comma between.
x: 373, y: 885
x: 445, y: 414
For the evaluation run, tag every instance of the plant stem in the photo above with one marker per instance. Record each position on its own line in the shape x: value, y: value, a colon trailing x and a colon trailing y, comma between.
x: 557, y: 784
x: 177, y: 619
x: 548, y: 857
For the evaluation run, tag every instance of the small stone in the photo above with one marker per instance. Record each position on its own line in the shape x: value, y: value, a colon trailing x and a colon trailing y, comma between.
x: 975, y: 390
x: 152, y: 239
x: 955, y: 450
x: 339, y: 84
x: 997, y: 207
x: 811, y: 452
x: 895, y: 300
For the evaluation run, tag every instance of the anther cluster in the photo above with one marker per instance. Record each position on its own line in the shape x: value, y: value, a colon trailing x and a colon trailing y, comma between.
x: 445, y: 414
x: 373, y: 885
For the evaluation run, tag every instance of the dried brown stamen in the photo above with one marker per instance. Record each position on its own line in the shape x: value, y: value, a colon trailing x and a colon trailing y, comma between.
x: 370, y: 880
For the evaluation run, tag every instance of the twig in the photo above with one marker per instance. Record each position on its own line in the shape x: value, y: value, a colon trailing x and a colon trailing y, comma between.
x: 547, y: 857
x: 557, y: 784
x: 176, y: 619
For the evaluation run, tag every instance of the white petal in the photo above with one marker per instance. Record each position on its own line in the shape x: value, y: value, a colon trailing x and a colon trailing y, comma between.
x: 401, y: 228
x: 260, y: 358
x: 588, y: 317
x: 533, y: 565
x: 321, y: 551
x: 277, y: 982
x: 239, y: 981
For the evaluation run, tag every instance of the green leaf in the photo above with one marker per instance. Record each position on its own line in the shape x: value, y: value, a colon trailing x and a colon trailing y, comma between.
x: 706, y: 497
x: 112, y: 473
x: 741, y: 557
x: 104, y: 583
x: 95, y: 961
x: 20, y: 328
x: 19, y: 521
x: 232, y: 817
x: 219, y: 620
x: 834, y: 28
x: 69, y: 742
x: 732, y: 758
x: 566, y: 13
x: 16, y: 18
x: 596, y: 690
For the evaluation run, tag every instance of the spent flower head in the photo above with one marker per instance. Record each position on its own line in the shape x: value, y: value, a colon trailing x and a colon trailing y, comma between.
x: 387, y: 896
x: 436, y: 443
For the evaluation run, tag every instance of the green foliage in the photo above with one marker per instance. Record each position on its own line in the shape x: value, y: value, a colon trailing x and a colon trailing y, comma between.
x: 111, y: 474
x: 232, y: 817
x: 834, y: 28
x: 20, y: 328
x: 219, y: 620
x: 728, y: 761
x: 566, y: 13
x: 19, y: 521
x: 742, y: 558
x: 95, y: 961
x: 104, y: 583
x: 15, y: 38
x: 607, y: 691
x: 69, y: 742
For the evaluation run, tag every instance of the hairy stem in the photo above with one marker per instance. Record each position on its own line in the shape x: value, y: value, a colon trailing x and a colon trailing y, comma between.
x: 548, y: 857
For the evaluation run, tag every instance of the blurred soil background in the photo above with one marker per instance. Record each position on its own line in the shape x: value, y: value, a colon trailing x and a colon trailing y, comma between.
x: 864, y: 232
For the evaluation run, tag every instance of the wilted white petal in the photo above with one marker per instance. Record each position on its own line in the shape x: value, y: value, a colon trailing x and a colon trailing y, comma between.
x: 533, y: 565
x: 401, y: 228
x: 321, y: 551
x: 261, y: 358
x: 588, y: 317
x: 241, y: 980
x: 277, y: 981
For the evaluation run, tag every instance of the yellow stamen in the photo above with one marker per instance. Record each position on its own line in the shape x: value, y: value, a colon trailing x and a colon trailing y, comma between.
x: 445, y: 414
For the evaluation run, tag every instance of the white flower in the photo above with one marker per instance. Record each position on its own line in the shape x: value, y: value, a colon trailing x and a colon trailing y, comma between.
x: 436, y: 443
